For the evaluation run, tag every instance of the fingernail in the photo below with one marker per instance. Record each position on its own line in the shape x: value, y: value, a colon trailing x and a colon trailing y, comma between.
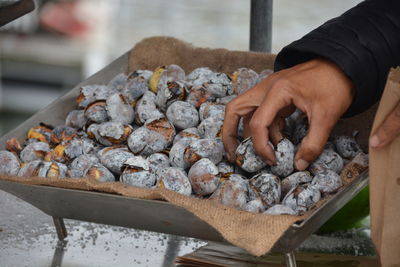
x: 301, y: 164
x: 374, y: 141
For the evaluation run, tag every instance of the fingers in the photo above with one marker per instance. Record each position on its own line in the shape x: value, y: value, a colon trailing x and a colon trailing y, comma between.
x: 229, y: 132
x: 275, y: 130
x: 388, y: 131
x: 313, y: 143
x: 262, y: 118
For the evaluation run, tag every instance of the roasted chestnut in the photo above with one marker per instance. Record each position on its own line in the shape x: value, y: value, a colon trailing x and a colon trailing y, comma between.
x: 174, y: 179
x: 268, y: 186
x: 182, y: 115
x: 203, y: 176
x: 246, y: 157
x: 243, y: 79
x: 9, y: 163
x: 119, y: 110
x: 137, y: 173
x: 34, y: 151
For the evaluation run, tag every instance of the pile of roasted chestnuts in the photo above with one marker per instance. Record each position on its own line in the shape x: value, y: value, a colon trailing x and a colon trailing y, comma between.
x: 162, y: 129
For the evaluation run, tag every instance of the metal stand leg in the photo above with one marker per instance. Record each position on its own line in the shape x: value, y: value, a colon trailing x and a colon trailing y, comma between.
x: 60, y: 228
x: 290, y: 259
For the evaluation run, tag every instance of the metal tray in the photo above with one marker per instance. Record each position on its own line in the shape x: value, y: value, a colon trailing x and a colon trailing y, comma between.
x: 151, y: 215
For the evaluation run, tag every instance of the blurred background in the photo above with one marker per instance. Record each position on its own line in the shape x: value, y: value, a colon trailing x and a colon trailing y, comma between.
x: 46, y: 52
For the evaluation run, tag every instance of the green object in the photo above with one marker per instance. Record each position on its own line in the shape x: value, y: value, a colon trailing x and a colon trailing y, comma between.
x: 351, y: 215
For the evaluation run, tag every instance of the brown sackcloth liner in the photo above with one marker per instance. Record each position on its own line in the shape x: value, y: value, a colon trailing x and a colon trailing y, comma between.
x: 255, y: 233
x: 385, y: 183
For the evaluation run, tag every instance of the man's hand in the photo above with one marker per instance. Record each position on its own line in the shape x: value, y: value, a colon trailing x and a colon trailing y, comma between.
x: 318, y: 87
x: 388, y: 130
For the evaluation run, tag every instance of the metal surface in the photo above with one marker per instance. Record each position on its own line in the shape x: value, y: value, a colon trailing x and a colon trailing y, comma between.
x: 156, y: 216
x: 290, y: 259
x: 60, y: 228
x: 261, y: 25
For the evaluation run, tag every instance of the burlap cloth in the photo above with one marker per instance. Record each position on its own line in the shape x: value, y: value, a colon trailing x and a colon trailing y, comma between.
x: 256, y: 233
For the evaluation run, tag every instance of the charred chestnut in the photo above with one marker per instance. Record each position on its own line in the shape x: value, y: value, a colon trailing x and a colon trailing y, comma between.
x: 174, y: 179
x: 203, y: 176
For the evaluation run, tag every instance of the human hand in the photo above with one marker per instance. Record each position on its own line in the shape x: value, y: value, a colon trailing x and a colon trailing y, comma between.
x: 388, y: 130
x: 317, y: 87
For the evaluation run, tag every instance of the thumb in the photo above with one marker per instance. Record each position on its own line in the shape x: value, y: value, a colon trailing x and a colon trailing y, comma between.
x: 313, y: 143
x: 388, y: 130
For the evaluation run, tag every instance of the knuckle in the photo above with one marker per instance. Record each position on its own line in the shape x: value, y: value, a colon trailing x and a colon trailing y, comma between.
x: 254, y: 124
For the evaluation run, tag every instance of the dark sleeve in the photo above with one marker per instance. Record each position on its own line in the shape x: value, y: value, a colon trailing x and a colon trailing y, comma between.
x: 364, y: 42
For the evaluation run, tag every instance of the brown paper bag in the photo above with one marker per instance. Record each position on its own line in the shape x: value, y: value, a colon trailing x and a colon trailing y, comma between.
x: 385, y: 183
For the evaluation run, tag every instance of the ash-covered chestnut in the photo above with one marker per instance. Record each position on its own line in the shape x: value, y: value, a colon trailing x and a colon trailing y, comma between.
x: 328, y: 159
x: 62, y: 133
x: 76, y: 119
x: 165, y: 74
x: 34, y: 151
x: 137, y: 85
x: 219, y: 85
x: 155, y: 136
x: 284, y: 158
x: 13, y: 145
x: 80, y: 164
x: 210, y: 127
x: 30, y: 169
x: 212, y: 109
x: 171, y: 92
x: 174, y: 179
x: 246, y: 157
x: 327, y: 181
x: 182, y: 115
x: 294, y: 180
x: 225, y: 169
x: 97, y: 111
x: 50, y: 169
x: 280, y: 209
x: 199, y: 76
x: 114, y: 157
x: 213, y: 149
x: 79, y: 146
x: 40, y: 133
x: 232, y: 192
x: 119, y: 110
x: 203, y: 176
x: 118, y: 83
x: 9, y: 163
x: 158, y: 161
x: 268, y: 186
x: 347, y: 146
x: 199, y: 95
x: 243, y: 79
x: 254, y: 206
x: 146, y: 108
x: 301, y: 198
x: 99, y: 172
x: 177, y: 154
x: 67, y: 151
x: 137, y: 173
x: 91, y: 93
x: 113, y: 133
x: 187, y: 134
